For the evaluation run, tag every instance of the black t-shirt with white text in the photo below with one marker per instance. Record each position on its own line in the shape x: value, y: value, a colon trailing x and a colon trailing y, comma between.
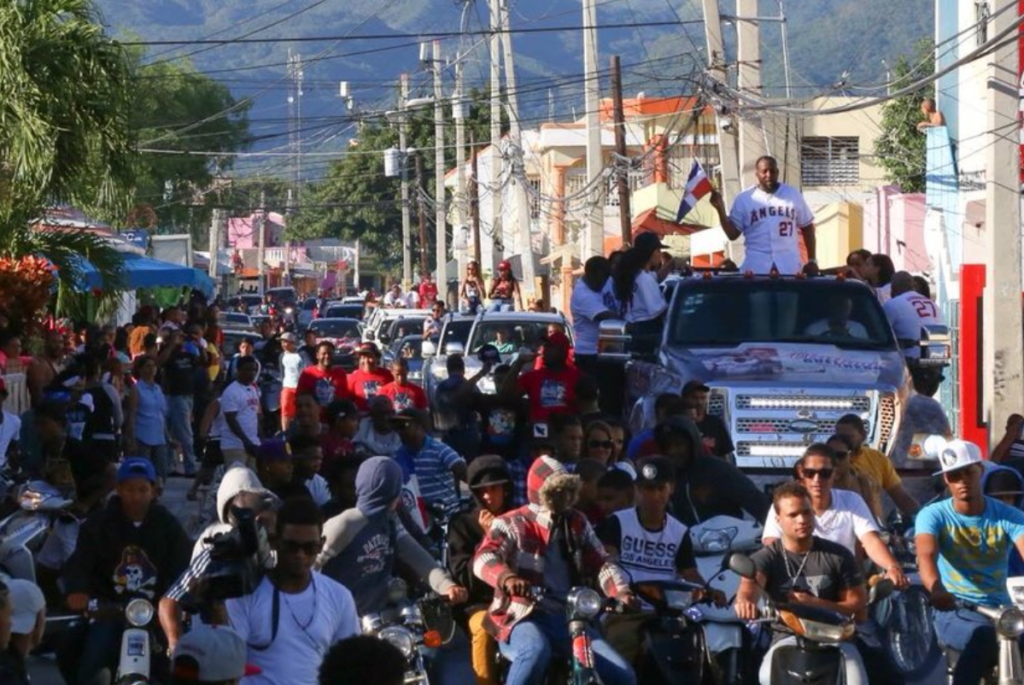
x: 825, y: 572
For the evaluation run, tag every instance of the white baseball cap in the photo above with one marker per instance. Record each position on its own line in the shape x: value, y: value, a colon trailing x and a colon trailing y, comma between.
x: 27, y: 600
x: 218, y: 652
x: 958, y: 454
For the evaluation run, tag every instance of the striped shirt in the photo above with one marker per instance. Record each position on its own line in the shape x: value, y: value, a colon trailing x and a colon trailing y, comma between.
x: 432, y: 465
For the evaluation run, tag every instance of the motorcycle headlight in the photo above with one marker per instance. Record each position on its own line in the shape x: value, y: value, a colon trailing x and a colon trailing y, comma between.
x: 139, y: 612
x: 288, y: 310
x: 678, y: 600
x: 584, y: 602
x: 1010, y: 623
x: 827, y: 632
x: 412, y: 615
x: 401, y: 638
x: 716, y: 540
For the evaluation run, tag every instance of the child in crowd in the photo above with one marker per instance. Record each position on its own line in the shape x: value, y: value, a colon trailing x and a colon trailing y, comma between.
x: 614, y: 492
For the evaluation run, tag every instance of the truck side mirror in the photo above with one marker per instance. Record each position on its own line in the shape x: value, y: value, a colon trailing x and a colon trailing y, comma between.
x: 936, y: 346
x: 613, y: 340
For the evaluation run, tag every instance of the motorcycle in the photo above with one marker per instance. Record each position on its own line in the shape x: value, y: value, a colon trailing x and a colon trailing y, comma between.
x: 135, y: 658
x: 906, y: 617
x: 416, y: 627
x: 816, y: 657
x: 24, y: 532
x: 713, y: 542
x: 674, y: 649
x: 1009, y: 625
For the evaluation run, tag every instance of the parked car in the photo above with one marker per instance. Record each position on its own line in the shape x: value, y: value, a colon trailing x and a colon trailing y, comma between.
x: 249, y: 302
x: 342, y: 310
x: 309, y: 309
x: 379, y: 320
x: 411, y: 349
x: 455, y: 328
x: 345, y: 334
x: 235, y: 321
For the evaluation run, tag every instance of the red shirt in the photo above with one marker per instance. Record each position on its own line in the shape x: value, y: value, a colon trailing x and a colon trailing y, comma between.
x: 550, y: 392
x: 405, y: 396
x: 337, y: 452
x: 328, y: 385
x: 428, y: 294
x: 363, y: 385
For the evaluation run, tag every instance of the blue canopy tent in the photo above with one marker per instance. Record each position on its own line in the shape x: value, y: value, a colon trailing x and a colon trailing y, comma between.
x: 146, y: 272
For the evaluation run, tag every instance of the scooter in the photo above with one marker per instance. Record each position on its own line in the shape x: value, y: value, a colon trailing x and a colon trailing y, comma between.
x: 1009, y: 625
x: 24, y: 532
x: 816, y: 657
x: 135, y: 660
x: 674, y: 649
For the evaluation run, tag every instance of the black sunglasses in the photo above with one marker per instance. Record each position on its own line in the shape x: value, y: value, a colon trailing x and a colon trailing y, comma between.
x: 811, y: 474
x: 310, y: 549
x: 596, y: 444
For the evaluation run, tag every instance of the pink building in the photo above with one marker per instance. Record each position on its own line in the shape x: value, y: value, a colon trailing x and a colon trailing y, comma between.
x: 894, y: 225
x: 242, y: 233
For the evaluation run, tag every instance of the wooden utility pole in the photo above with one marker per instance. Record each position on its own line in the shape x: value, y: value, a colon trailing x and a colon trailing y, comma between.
x: 474, y: 201
x: 593, y: 237
x: 403, y: 127
x: 261, y: 253
x: 421, y: 211
x: 625, y: 213
x: 1004, y: 386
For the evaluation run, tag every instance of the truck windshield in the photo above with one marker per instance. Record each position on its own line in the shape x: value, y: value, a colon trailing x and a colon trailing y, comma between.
x: 727, y: 313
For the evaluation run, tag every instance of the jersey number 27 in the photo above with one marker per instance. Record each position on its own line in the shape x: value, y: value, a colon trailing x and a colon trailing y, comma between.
x: 786, y: 229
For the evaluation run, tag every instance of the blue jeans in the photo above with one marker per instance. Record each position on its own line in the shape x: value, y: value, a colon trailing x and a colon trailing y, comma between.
x: 451, y: 664
x: 179, y: 421
x: 89, y: 654
x: 974, y: 636
x: 505, y: 304
x: 543, y: 636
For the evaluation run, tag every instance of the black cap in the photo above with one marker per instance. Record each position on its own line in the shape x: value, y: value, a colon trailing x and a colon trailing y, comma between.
x: 648, y: 241
x: 655, y: 471
x: 412, y: 415
x: 488, y: 354
x: 693, y: 386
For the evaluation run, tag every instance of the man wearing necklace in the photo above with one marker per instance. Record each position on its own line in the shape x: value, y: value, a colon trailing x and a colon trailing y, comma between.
x: 802, y: 569
x: 295, y: 615
x: 963, y: 546
x: 841, y: 516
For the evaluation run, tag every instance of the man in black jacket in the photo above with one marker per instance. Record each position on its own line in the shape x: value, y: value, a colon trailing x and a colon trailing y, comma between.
x: 491, y: 485
x: 131, y: 549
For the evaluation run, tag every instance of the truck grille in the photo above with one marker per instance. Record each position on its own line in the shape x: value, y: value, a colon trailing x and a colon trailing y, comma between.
x: 786, y: 453
x: 886, y: 420
x: 769, y: 425
x: 854, y: 404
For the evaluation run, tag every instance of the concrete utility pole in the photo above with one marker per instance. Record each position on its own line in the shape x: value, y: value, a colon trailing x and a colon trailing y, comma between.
x: 474, y: 201
x: 519, y: 195
x: 497, y: 245
x: 748, y: 47
x: 403, y: 129
x: 440, y: 214
x: 727, y: 138
x: 625, y: 214
x: 215, y: 224
x: 261, y: 253
x: 421, y: 211
x: 593, y: 238
x: 459, y: 107
x: 1003, y: 341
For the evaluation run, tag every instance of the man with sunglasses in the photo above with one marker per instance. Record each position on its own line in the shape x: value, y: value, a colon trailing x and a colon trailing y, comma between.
x: 963, y: 544
x: 432, y: 324
x: 295, y: 615
x: 841, y: 516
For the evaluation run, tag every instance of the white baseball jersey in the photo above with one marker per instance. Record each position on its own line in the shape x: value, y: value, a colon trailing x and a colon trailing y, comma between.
x: 769, y: 223
x: 908, y: 313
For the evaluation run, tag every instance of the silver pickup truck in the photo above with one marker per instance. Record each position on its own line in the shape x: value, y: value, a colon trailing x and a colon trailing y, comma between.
x: 784, y: 358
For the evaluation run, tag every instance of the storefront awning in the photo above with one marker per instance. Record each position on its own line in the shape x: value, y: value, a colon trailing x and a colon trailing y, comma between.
x: 146, y: 272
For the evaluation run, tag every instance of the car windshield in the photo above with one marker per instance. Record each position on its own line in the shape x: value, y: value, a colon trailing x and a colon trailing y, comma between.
x: 728, y: 313
x: 235, y: 317
x: 344, y: 310
x: 457, y: 331
x: 309, y: 304
x: 403, y: 327
x: 409, y: 347
x: 338, y: 328
x: 509, y: 336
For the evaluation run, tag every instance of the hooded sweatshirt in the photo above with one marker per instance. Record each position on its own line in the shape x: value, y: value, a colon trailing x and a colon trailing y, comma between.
x: 709, y: 486
x: 118, y: 560
x: 466, y: 533
x: 237, y: 479
x: 518, y: 542
x: 361, y: 544
x: 1016, y: 564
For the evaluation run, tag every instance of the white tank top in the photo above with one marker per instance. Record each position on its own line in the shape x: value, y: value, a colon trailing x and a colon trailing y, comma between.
x: 648, y: 555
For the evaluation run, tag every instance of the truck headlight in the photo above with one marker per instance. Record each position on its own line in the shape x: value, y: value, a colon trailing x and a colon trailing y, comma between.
x: 401, y: 638
x: 584, y: 602
x: 139, y: 612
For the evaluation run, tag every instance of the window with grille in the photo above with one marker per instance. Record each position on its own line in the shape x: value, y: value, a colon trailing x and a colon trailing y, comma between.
x: 534, y: 196
x: 830, y: 161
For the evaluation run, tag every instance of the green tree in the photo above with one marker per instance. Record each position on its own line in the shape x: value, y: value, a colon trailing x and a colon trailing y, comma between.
x: 900, y: 149
x: 178, y: 109
x: 355, y: 199
x: 65, y: 134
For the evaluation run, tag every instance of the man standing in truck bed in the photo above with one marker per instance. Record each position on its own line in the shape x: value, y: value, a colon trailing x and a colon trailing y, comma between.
x: 768, y: 216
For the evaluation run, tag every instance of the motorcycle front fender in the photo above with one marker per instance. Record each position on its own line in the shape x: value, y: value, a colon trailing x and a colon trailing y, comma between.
x: 676, y: 656
x: 722, y: 636
x: 793, y: 665
x: 134, y: 663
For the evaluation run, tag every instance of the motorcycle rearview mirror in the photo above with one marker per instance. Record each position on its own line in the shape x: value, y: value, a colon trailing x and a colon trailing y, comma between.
x: 741, y: 565
x: 880, y: 589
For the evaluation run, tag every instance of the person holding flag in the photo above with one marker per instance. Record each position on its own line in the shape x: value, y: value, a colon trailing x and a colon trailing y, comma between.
x: 698, y: 185
x: 769, y: 215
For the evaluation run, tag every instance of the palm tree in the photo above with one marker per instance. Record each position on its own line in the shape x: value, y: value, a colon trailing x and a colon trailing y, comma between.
x: 65, y: 135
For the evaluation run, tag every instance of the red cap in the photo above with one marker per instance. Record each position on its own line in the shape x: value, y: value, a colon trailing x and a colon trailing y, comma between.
x: 3, y: 385
x: 505, y: 265
x: 557, y: 339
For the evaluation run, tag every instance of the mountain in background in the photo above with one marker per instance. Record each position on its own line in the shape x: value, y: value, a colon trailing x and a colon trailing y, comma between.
x: 829, y: 40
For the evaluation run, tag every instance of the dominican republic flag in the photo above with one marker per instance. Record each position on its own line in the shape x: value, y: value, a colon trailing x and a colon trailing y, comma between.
x: 697, y: 186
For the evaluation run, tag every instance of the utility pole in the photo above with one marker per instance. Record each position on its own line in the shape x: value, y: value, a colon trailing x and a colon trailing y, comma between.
x: 625, y: 213
x: 515, y: 134
x: 1004, y: 393
x: 459, y: 114
x: 403, y: 128
x: 727, y: 139
x: 440, y: 215
x: 474, y: 201
x: 215, y: 241
x: 748, y: 47
x: 497, y: 231
x: 593, y: 239
x: 261, y: 253
x: 421, y: 211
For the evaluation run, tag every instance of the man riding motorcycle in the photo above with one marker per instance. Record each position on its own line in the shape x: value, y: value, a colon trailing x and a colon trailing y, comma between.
x: 963, y: 545
x: 546, y: 544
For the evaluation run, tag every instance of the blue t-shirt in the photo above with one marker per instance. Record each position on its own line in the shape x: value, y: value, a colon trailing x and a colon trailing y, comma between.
x: 973, y: 550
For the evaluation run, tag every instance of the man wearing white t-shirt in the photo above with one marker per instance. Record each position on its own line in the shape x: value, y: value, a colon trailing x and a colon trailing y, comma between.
x: 768, y: 216
x: 295, y: 615
x: 908, y: 312
x: 589, y: 308
x: 840, y: 516
x: 10, y: 429
x: 240, y: 405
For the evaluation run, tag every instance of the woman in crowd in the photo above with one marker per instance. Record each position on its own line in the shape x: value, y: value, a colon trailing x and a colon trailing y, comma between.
x: 878, y: 270
x: 635, y: 284
x: 471, y: 293
x: 145, y: 430
x: 504, y: 293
